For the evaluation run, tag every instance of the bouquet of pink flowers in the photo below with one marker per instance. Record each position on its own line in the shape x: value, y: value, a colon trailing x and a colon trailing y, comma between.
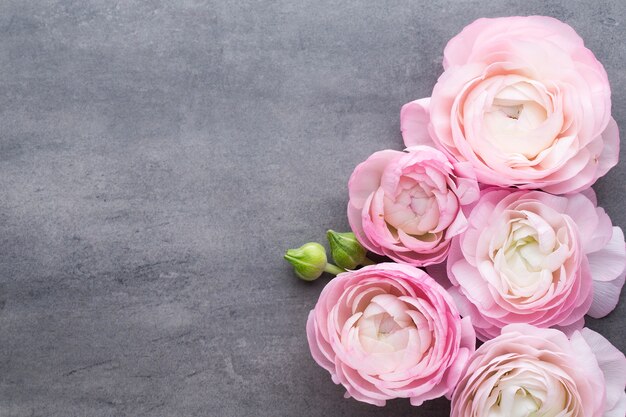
x: 492, y: 232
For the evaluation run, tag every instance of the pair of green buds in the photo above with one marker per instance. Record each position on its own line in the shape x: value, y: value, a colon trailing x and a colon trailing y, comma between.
x: 310, y: 262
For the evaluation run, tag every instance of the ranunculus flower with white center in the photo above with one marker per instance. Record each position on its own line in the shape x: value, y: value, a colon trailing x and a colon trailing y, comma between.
x: 529, y: 371
x: 533, y: 257
x: 389, y: 331
x: 525, y: 102
x: 408, y: 205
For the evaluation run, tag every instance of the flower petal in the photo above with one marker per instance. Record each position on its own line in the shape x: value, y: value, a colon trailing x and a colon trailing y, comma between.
x: 610, y: 262
x: 613, y: 365
x: 414, y: 119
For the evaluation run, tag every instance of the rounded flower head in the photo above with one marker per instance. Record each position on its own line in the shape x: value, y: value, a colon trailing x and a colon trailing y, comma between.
x: 525, y: 102
x: 389, y: 331
x: 532, y: 257
x: 408, y: 205
x: 529, y: 371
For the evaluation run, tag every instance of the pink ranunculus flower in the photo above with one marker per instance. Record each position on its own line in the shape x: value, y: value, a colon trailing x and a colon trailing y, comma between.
x: 389, y: 331
x: 533, y: 257
x: 525, y: 102
x: 530, y: 371
x: 408, y: 205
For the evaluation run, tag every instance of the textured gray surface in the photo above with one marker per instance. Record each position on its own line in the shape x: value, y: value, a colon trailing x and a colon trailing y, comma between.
x: 157, y: 157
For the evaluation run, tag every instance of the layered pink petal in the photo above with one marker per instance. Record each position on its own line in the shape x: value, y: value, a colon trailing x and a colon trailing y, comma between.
x: 409, y: 205
x: 389, y: 331
x: 533, y: 257
x: 525, y: 103
x: 528, y: 370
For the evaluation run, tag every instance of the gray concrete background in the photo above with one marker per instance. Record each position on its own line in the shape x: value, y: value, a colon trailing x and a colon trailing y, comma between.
x: 157, y: 157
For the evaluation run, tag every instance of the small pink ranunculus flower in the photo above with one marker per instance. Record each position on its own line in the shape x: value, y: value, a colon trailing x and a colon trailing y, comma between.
x: 389, y: 331
x: 525, y: 102
x: 533, y: 257
x: 408, y: 205
x: 530, y: 371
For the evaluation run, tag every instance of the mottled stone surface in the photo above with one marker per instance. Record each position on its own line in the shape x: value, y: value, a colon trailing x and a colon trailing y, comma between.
x: 157, y: 157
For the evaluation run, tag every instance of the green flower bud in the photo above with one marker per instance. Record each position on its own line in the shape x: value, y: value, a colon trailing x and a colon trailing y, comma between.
x: 309, y: 260
x: 346, y: 250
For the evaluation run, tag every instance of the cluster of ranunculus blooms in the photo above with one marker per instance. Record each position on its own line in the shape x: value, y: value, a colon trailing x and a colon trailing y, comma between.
x: 492, y: 232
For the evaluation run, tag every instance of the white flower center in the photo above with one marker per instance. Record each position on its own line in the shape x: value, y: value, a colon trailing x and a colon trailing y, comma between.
x: 515, y: 402
x: 518, y: 121
x: 392, y: 334
x: 379, y: 330
x: 414, y: 211
x: 530, y: 258
x: 529, y: 392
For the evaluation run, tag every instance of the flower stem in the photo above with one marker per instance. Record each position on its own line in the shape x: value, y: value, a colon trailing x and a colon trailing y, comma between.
x: 367, y: 261
x: 333, y: 269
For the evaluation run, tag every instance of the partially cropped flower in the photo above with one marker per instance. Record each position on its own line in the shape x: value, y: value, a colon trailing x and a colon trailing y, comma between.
x: 408, y: 205
x: 309, y: 261
x: 529, y: 371
x: 533, y: 257
x: 389, y: 331
x: 346, y: 250
x: 525, y: 102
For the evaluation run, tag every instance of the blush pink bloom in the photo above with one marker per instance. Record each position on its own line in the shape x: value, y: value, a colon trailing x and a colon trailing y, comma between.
x: 408, y: 205
x: 529, y: 371
x: 525, y: 102
x: 389, y: 331
x: 533, y: 257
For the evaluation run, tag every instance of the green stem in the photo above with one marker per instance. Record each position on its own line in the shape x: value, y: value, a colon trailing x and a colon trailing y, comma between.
x: 367, y: 261
x: 333, y: 269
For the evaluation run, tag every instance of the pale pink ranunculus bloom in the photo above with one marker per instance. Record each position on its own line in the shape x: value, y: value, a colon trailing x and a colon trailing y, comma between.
x: 525, y: 102
x: 389, y: 331
x: 530, y: 371
x: 408, y: 205
x: 533, y: 257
